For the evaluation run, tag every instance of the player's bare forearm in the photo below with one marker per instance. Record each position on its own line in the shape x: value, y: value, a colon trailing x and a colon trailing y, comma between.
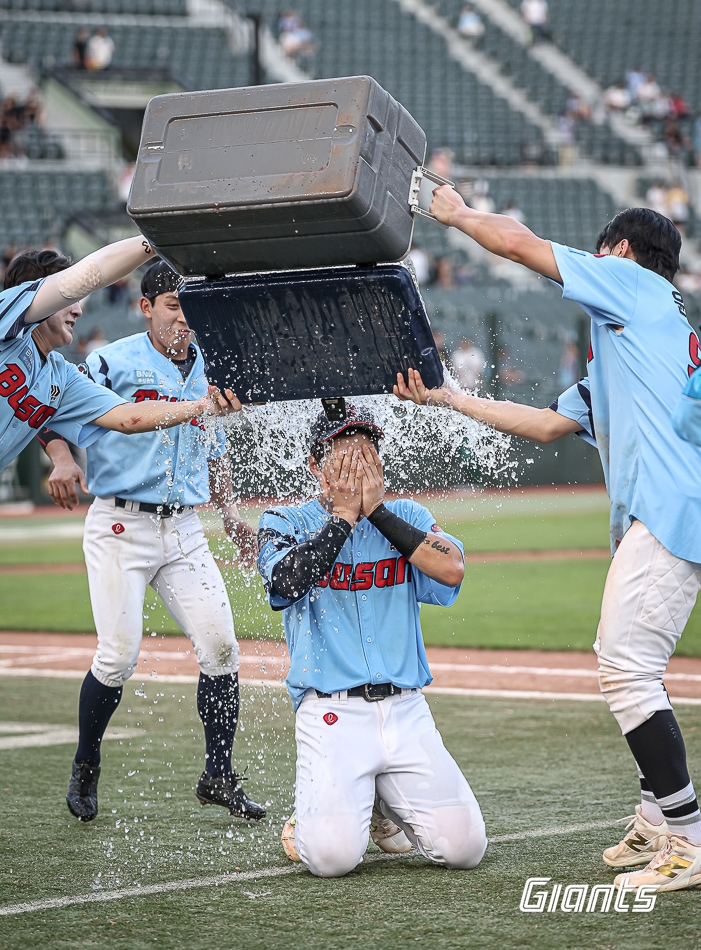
x: 498, y: 233
x: 221, y: 487
x: 439, y: 559
x: 65, y: 475
x: 148, y: 416
x: 99, y: 269
x: 512, y: 418
x: 221, y: 490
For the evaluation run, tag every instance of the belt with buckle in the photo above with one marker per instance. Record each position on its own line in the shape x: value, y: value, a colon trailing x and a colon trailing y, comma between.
x: 165, y: 511
x: 371, y: 692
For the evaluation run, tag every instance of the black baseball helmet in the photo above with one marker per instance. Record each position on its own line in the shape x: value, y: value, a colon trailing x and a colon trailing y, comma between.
x: 354, y: 420
x: 160, y: 278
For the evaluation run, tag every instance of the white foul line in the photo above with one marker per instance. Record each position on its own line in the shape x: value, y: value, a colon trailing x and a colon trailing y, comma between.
x: 546, y: 832
x: 98, y: 897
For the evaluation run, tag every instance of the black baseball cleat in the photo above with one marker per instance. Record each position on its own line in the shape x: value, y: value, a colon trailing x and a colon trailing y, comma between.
x: 226, y: 790
x: 81, y: 796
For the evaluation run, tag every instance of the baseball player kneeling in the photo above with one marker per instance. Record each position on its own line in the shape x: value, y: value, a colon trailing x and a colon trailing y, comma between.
x: 142, y: 529
x: 349, y: 573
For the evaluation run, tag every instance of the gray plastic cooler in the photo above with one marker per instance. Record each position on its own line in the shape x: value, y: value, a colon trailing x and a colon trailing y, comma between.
x: 277, y: 177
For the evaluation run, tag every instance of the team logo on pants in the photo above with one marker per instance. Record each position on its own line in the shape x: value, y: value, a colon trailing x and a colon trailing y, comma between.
x: 118, y: 528
x: 330, y: 719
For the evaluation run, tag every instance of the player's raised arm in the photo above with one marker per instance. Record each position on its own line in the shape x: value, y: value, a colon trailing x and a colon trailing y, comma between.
x: 527, y: 422
x: 497, y: 233
x: 150, y: 415
x: 437, y: 558
x: 99, y: 269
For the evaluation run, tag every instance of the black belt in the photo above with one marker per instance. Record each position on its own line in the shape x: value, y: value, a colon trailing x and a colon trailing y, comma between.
x: 371, y: 692
x: 165, y: 511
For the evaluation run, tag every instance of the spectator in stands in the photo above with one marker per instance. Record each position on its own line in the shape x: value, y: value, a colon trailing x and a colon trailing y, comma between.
x: 441, y: 162
x: 507, y: 373
x: 469, y: 364
x: 444, y: 273
x: 96, y: 339
x: 674, y: 138
x: 635, y: 77
x: 656, y: 197
x: 536, y: 15
x: 577, y: 107
x: 80, y: 48
x: 678, y: 204
x: 679, y: 107
x: 566, y: 138
x: 647, y: 97
x: 512, y: 210
x: 80, y: 351
x: 295, y: 38
x: 479, y: 199
x: 100, y: 50
x: 617, y: 98
x: 422, y: 267
x: 470, y: 23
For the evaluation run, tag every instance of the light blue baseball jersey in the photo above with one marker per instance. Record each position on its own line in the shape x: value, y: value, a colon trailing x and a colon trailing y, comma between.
x: 34, y: 391
x: 165, y: 467
x: 642, y: 352
x: 686, y: 417
x: 360, y: 624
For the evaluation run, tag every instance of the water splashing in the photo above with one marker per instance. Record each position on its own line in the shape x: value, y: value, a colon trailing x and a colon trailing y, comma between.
x: 425, y: 447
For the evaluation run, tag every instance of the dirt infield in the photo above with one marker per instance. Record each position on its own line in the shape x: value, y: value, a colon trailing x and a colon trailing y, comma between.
x: 508, y: 673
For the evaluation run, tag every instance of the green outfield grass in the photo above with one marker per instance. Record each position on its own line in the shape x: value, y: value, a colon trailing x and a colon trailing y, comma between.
x: 543, y: 604
x: 536, y: 768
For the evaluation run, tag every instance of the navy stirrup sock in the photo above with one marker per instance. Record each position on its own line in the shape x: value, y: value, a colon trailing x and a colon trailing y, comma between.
x: 218, y: 706
x: 96, y: 705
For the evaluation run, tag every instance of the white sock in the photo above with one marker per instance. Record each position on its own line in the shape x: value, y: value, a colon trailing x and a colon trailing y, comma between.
x: 687, y: 825
x: 649, y: 808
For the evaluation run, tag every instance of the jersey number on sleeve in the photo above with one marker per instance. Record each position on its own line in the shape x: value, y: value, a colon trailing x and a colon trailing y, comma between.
x: 26, y: 408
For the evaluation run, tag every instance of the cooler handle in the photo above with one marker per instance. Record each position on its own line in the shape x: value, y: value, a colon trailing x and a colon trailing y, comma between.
x: 417, y: 177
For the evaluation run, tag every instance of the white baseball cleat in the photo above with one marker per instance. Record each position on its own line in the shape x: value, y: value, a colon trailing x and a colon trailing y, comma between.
x: 386, y: 835
x: 676, y: 866
x: 288, y: 838
x: 640, y: 845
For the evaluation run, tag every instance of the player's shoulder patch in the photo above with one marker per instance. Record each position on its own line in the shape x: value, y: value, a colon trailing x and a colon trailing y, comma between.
x: 26, y: 357
x: 436, y: 528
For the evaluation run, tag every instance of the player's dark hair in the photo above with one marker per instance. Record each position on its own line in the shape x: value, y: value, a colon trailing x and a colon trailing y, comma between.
x: 319, y: 450
x: 654, y: 240
x: 160, y: 278
x: 33, y: 265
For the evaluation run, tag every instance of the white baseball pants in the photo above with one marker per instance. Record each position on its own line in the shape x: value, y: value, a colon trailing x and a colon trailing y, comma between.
x: 648, y: 597
x: 127, y: 550
x: 347, y: 749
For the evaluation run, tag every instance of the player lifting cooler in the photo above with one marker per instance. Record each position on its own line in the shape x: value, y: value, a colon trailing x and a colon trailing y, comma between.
x: 349, y: 573
x: 641, y: 355
x: 142, y: 530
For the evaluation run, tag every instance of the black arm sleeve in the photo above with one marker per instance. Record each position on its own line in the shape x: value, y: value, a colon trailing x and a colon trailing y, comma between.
x: 404, y: 536
x: 306, y: 564
x: 46, y: 435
